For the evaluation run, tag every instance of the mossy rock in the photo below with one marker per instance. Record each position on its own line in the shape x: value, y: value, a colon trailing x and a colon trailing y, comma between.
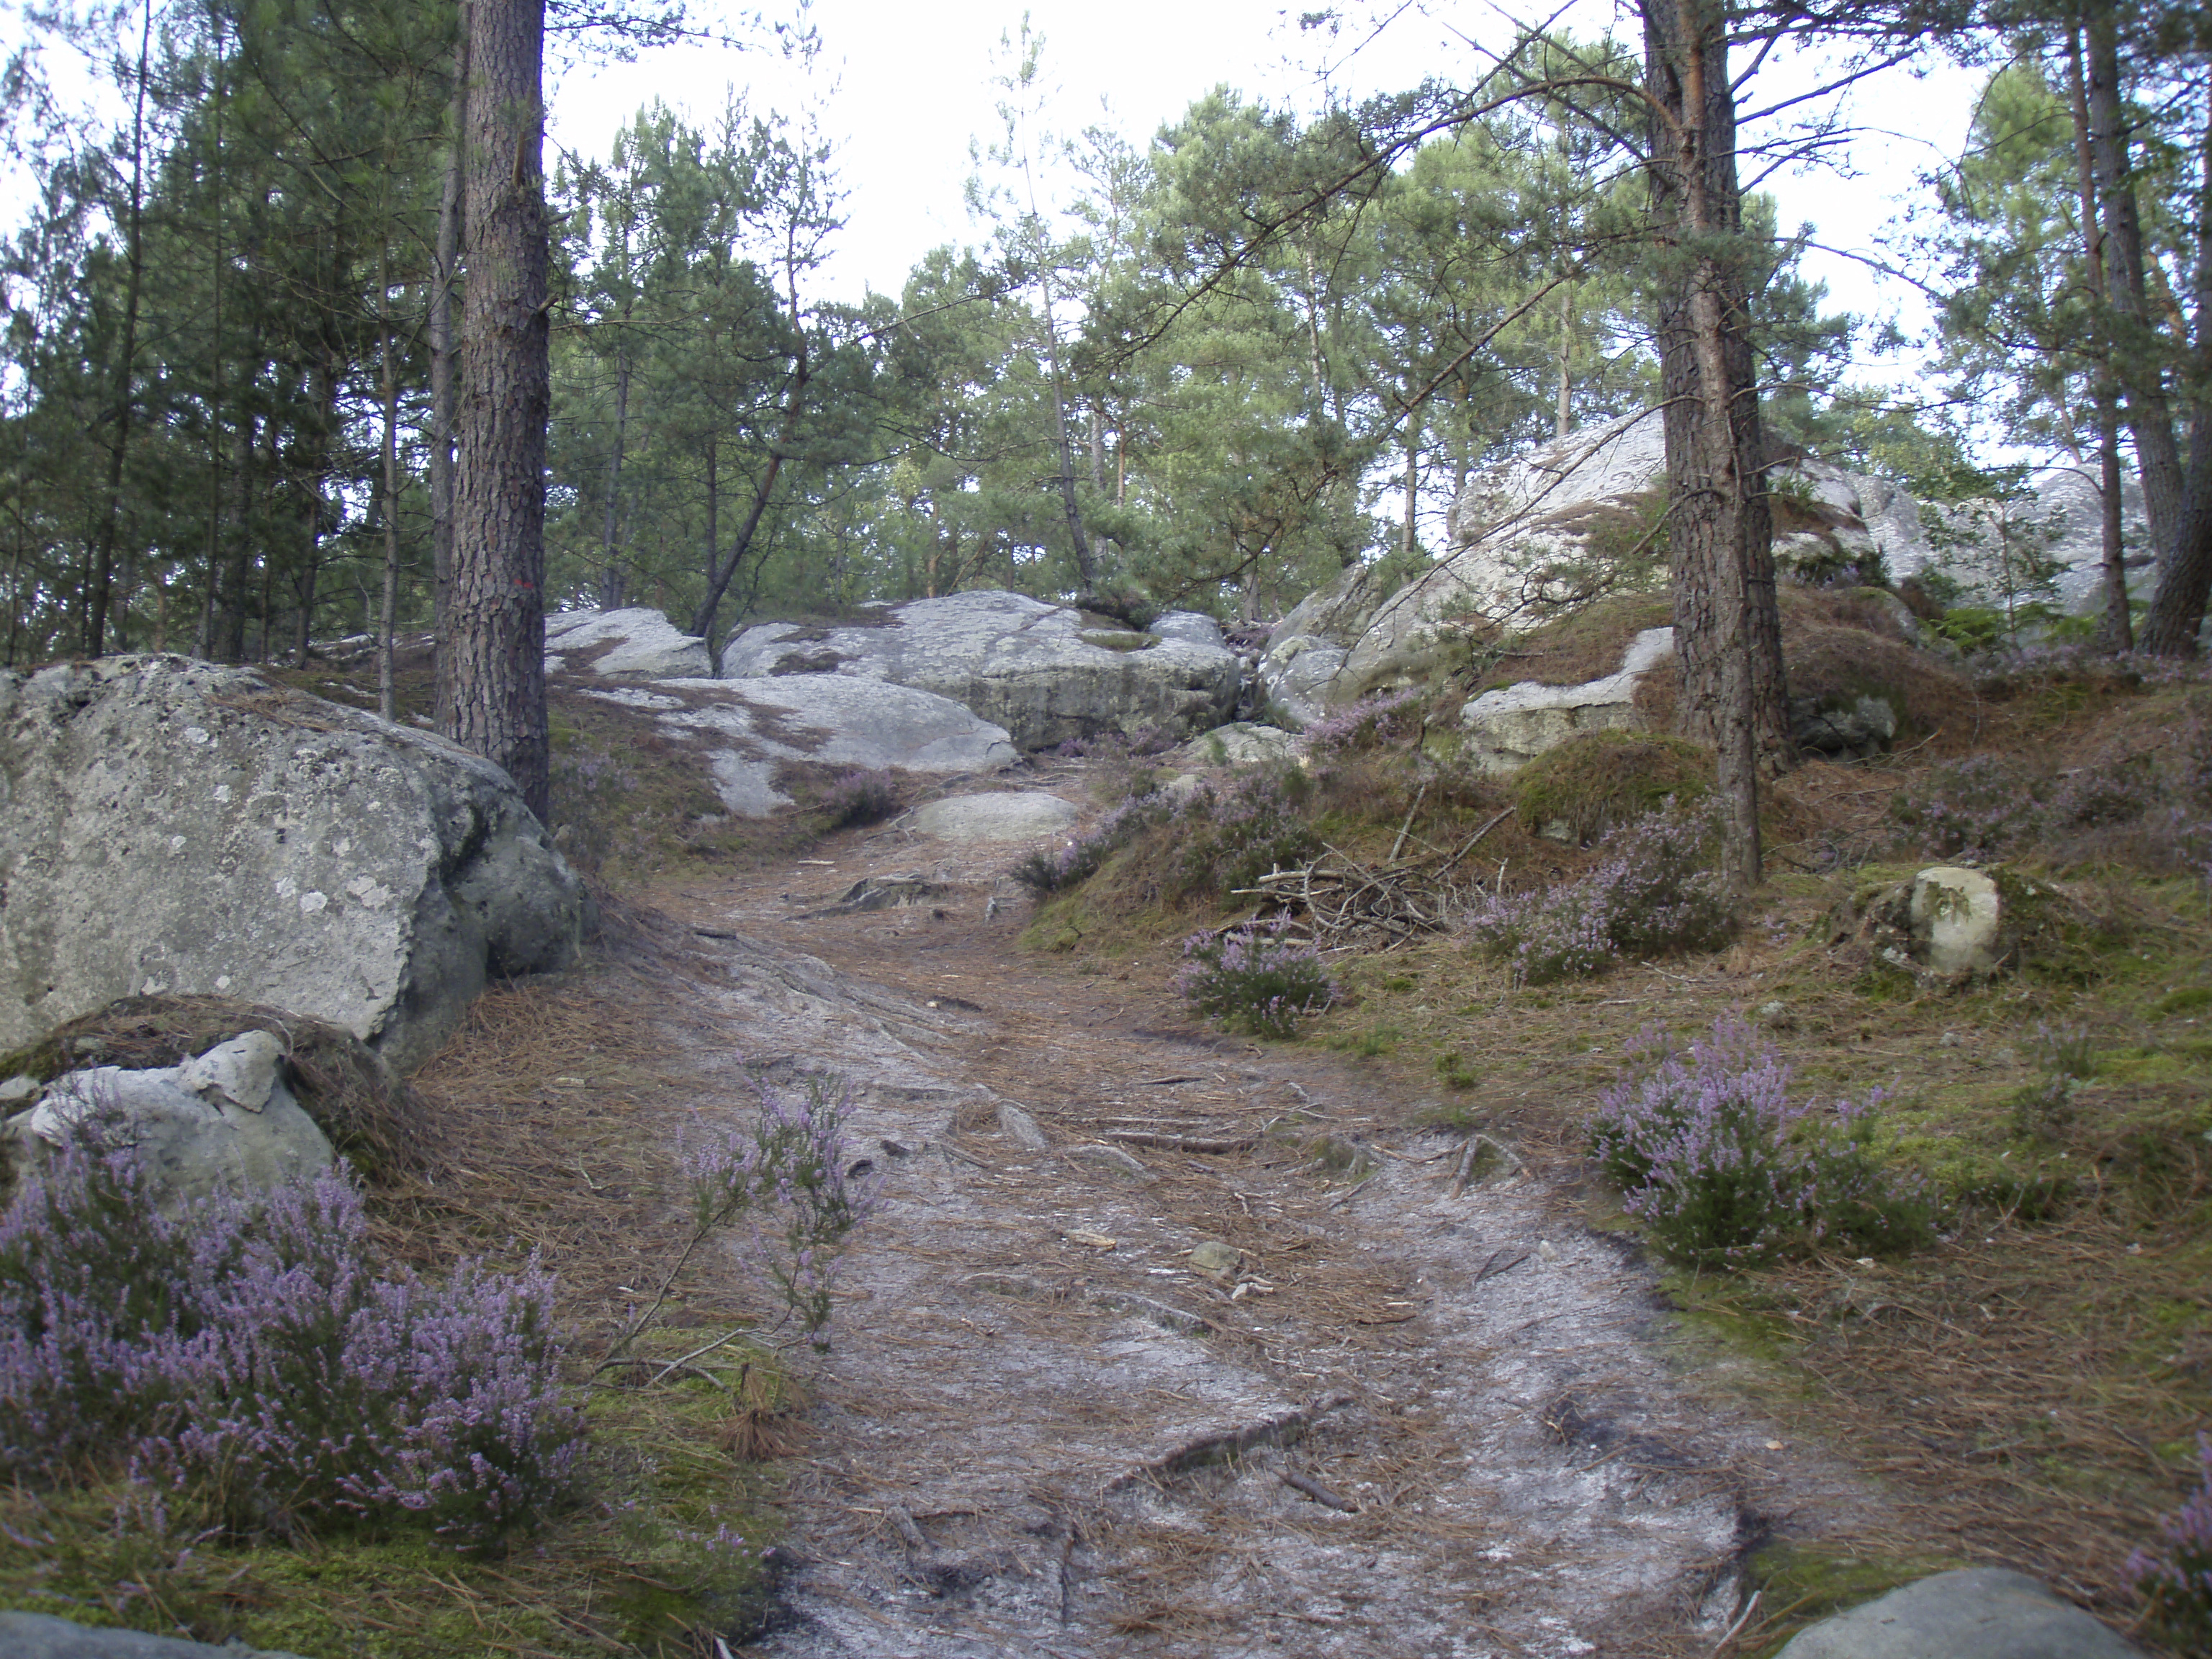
x: 354, y: 1097
x: 1594, y: 782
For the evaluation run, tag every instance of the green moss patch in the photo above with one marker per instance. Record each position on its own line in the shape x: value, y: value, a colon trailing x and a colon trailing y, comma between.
x: 1600, y: 780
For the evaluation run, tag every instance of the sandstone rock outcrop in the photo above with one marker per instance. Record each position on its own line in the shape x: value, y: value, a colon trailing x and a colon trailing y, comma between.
x: 1042, y: 671
x: 167, y: 825
x: 1541, y: 534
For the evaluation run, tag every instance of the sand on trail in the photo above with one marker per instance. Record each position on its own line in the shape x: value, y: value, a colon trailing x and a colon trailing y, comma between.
x: 1392, y: 1420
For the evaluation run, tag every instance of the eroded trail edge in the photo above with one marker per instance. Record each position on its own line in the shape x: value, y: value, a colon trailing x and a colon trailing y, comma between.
x: 1166, y: 1342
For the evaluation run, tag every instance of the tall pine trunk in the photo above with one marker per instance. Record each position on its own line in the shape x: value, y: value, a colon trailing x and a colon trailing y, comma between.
x: 1728, y: 636
x: 2185, y: 585
x: 2117, y: 630
x: 2136, y: 354
x: 444, y: 387
x: 497, y: 616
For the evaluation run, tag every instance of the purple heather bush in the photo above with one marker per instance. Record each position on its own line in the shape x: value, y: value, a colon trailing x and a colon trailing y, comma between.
x: 788, y: 1177
x: 1711, y: 1154
x: 1982, y: 807
x: 2176, y: 1580
x: 1387, y: 719
x: 1253, y: 979
x: 247, y: 1360
x: 1654, y: 891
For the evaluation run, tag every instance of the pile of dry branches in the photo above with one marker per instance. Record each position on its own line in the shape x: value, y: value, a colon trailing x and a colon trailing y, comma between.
x: 1346, y: 902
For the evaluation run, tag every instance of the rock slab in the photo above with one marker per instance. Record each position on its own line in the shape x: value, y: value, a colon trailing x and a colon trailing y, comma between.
x: 172, y: 826
x: 1980, y: 1613
x: 1508, y: 728
x: 39, y: 1636
x: 1006, y: 815
x: 1044, y: 672
x: 224, y: 1120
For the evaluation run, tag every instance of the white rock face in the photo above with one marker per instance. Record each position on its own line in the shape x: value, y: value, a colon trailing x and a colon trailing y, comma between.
x: 748, y: 726
x: 1507, y: 729
x: 1033, y: 668
x: 1957, y: 922
x: 194, y: 1135
x: 170, y: 826
x: 1023, y: 815
x: 636, y: 643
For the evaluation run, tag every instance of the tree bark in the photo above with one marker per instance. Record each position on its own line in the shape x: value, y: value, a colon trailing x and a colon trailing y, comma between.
x: 388, y: 612
x: 439, y: 324
x: 2185, y: 584
x: 497, y: 620
x: 2117, y: 629
x: 1726, y: 631
x: 2150, y: 416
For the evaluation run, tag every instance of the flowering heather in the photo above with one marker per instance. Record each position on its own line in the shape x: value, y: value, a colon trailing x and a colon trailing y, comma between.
x: 1982, y: 807
x: 2177, y: 1581
x: 1252, y: 979
x: 1724, y: 1169
x: 787, y: 1178
x: 1047, y: 873
x: 1653, y: 892
x: 1391, y: 717
x: 246, y: 1360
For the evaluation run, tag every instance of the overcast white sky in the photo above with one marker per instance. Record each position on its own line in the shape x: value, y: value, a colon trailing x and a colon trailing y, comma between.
x: 904, y: 88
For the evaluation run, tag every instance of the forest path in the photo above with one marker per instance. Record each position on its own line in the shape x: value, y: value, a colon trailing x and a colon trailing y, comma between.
x: 1413, y: 1418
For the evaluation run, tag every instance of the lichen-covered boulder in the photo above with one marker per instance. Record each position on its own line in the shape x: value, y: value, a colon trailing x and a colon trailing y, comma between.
x: 170, y: 826
x: 632, y: 643
x: 1044, y: 672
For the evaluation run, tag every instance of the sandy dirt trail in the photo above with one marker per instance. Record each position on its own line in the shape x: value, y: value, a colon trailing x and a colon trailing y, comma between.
x: 1400, y: 1414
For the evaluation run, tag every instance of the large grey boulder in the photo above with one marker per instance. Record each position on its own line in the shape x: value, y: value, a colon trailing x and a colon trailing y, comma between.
x: 1042, y: 671
x: 632, y: 643
x: 223, y: 1121
x: 1977, y: 1612
x: 170, y: 826
x: 1509, y: 727
x: 41, y: 1635
x: 747, y: 730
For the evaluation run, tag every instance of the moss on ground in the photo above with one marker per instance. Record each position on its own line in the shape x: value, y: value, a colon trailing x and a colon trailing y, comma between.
x: 1600, y: 780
